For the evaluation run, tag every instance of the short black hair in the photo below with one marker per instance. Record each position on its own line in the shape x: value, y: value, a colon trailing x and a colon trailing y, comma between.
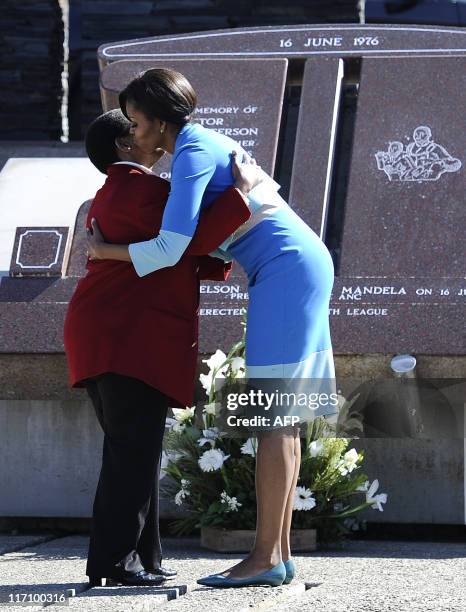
x: 100, y: 138
x: 161, y: 93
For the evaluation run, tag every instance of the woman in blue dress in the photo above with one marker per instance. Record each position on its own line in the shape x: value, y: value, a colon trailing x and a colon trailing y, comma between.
x: 290, y: 273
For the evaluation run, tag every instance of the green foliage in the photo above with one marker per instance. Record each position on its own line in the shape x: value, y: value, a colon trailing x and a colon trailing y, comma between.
x: 330, y: 476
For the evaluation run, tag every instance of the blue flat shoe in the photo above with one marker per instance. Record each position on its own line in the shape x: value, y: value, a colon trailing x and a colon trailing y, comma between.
x: 290, y: 568
x: 272, y: 577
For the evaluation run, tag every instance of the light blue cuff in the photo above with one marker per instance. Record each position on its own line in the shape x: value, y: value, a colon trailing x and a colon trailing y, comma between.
x: 226, y: 243
x: 161, y: 252
x: 255, y: 201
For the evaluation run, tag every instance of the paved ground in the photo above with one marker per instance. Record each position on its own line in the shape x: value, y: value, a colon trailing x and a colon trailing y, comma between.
x: 362, y: 576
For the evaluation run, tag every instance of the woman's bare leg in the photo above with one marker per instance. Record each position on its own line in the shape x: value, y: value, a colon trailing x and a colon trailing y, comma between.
x: 285, y: 543
x: 275, y: 470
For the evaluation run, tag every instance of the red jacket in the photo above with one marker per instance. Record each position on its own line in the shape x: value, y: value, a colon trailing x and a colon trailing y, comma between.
x: 145, y: 327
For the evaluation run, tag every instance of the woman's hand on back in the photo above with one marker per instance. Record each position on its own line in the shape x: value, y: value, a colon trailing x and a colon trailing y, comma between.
x: 247, y: 174
x: 95, y: 240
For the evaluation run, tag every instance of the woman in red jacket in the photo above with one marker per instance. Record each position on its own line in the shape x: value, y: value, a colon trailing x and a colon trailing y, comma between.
x: 133, y: 344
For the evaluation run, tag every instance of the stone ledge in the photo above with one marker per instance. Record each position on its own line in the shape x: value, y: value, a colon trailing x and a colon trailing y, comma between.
x: 44, y: 376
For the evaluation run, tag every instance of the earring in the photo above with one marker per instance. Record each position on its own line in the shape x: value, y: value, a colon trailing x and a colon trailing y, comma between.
x: 161, y: 130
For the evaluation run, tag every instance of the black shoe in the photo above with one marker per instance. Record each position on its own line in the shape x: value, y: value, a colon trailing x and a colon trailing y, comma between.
x: 163, y: 571
x: 141, y: 578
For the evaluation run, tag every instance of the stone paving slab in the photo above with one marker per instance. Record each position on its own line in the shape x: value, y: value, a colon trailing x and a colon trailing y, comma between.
x: 191, y: 561
x: 49, y: 567
x: 386, y: 576
x: 125, y: 599
x: 11, y: 543
x: 355, y: 576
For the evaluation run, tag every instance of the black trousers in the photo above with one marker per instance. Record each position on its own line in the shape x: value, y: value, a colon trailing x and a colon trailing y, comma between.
x: 125, y: 526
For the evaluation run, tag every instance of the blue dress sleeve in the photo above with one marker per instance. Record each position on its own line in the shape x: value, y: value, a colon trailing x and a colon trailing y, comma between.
x: 192, y: 169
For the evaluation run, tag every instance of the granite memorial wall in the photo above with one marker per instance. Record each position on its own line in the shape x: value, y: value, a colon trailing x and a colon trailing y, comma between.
x: 383, y: 186
x: 362, y: 125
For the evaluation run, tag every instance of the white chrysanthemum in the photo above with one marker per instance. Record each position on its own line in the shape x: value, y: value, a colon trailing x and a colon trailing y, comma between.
x: 249, y: 447
x: 376, y: 500
x: 364, y: 487
x: 183, y: 414
x: 212, y: 460
x: 316, y: 447
x: 303, y: 499
x: 210, y: 435
x: 233, y: 503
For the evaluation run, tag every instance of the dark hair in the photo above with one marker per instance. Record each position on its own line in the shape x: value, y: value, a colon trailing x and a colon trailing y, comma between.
x: 100, y: 138
x: 161, y: 93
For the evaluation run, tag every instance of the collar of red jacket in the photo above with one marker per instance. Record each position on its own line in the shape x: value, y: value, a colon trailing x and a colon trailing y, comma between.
x: 125, y: 169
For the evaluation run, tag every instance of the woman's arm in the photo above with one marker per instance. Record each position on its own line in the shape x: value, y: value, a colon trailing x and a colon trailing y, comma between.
x: 192, y: 170
x: 246, y: 174
x: 226, y: 214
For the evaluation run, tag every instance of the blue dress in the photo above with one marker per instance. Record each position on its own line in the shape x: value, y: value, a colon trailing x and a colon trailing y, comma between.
x: 290, y: 270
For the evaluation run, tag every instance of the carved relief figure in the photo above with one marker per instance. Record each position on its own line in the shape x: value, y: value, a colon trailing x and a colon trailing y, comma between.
x: 422, y: 160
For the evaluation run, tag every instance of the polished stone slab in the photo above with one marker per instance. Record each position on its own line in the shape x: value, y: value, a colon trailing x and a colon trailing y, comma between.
x: 238, y: 98
x: 38, y: 251
x: 298, y: 41
x: 316, y: 140
x: 405, y: 202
